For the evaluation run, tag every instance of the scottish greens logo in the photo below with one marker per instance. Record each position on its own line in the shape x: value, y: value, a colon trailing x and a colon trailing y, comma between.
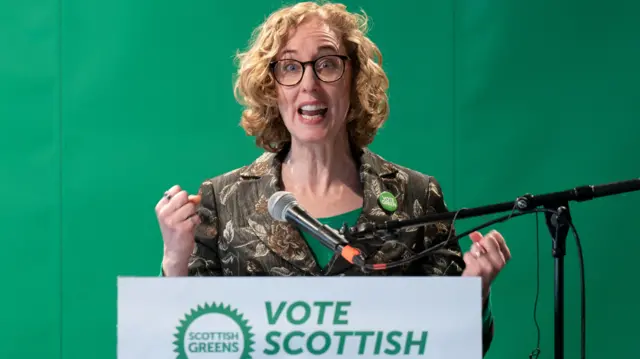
x: 213, y: 331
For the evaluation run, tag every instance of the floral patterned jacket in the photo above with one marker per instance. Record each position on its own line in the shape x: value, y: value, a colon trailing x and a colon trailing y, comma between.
x: 238, y: 237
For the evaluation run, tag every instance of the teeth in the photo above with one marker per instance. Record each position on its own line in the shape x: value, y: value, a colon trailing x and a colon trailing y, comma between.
x: 312, y: 118
x: 313, y: 107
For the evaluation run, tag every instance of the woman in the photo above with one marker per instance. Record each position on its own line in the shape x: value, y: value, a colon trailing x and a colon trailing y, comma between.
x: 314, y: 97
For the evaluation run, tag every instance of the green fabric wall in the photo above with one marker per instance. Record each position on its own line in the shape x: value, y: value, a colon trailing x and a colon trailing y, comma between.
x: 30, y: 145
x: 104, y: 105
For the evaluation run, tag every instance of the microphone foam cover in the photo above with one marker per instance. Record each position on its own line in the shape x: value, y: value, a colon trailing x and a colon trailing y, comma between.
x: 278, y: 204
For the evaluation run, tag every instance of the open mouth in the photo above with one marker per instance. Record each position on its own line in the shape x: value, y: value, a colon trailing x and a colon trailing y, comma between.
x: 313, y: 112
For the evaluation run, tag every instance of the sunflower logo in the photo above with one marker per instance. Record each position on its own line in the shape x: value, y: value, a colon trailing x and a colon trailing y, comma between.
x: 213, y: 331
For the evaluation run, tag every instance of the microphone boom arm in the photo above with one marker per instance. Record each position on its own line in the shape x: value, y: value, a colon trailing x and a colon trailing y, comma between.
x: 524, y: 203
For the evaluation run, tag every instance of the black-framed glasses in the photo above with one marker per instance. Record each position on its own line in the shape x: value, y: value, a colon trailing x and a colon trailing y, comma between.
x: 289, y: 72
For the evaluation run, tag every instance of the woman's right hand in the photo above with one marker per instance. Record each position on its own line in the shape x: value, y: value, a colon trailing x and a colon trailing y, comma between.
x: 176, y: 212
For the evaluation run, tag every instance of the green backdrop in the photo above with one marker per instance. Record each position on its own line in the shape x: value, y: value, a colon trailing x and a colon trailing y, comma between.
x: 105, y: 104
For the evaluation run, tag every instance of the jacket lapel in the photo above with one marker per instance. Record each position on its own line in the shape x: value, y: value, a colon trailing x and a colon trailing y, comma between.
x: 282, y: 238
x: 376, y: 176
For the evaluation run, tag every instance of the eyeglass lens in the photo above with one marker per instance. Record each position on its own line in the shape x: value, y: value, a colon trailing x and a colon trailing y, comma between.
x: 327, y: 68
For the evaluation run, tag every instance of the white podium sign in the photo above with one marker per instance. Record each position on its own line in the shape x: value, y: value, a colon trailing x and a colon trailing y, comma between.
x: 299, y: 317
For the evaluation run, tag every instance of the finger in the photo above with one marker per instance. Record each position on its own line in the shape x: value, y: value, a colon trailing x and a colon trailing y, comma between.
x: 502, y: 244
x: 188, y: 223
x: 494, y: 255
x: 477, y: 249
x: 177, y: 201
x: 183, y: 213
x: 166, y: 197
x: 161, y: 203
x: 172, y: 192
x: 195, y: 219
x: 475, y: 236
x: 471, y: 265
x: 486, y: 268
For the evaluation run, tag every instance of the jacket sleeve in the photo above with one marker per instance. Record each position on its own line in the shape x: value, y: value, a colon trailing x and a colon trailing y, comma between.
x: 205, y: 261
x: 447, y: 259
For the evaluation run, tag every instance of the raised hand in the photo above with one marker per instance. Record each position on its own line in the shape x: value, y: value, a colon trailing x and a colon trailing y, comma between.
x: 176, y: 212
x: 487, y: 257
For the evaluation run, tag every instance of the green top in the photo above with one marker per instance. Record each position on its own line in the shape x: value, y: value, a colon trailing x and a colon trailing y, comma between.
x: 321, y: 253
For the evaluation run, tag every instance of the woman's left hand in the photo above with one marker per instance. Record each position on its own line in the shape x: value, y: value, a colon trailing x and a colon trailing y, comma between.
x: 486, y: 258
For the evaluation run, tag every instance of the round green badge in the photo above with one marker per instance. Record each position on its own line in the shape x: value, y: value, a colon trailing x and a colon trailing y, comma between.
x: 388, y: 201
x: 214, y: 331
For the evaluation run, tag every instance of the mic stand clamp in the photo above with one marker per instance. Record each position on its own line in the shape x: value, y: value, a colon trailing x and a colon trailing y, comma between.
x: 367, y: 231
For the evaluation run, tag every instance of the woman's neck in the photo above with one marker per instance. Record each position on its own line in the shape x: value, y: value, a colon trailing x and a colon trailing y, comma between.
x: 320, y: 170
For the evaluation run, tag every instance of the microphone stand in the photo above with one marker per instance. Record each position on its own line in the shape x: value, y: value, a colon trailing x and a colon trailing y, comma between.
x: 558, y: 220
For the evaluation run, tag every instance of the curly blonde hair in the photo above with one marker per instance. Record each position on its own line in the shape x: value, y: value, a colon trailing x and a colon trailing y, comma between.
x: 255, y: 86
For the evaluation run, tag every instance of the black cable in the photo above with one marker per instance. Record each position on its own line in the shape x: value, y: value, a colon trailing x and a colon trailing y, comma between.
x: 536, y: 352
x: 583, y: 294
x: 431, y: 250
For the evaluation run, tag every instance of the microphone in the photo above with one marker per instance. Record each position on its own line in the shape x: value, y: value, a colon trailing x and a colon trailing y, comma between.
x: 284, y: 207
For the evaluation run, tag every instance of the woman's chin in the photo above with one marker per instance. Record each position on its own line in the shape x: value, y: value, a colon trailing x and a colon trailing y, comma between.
x: 312, y: 135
